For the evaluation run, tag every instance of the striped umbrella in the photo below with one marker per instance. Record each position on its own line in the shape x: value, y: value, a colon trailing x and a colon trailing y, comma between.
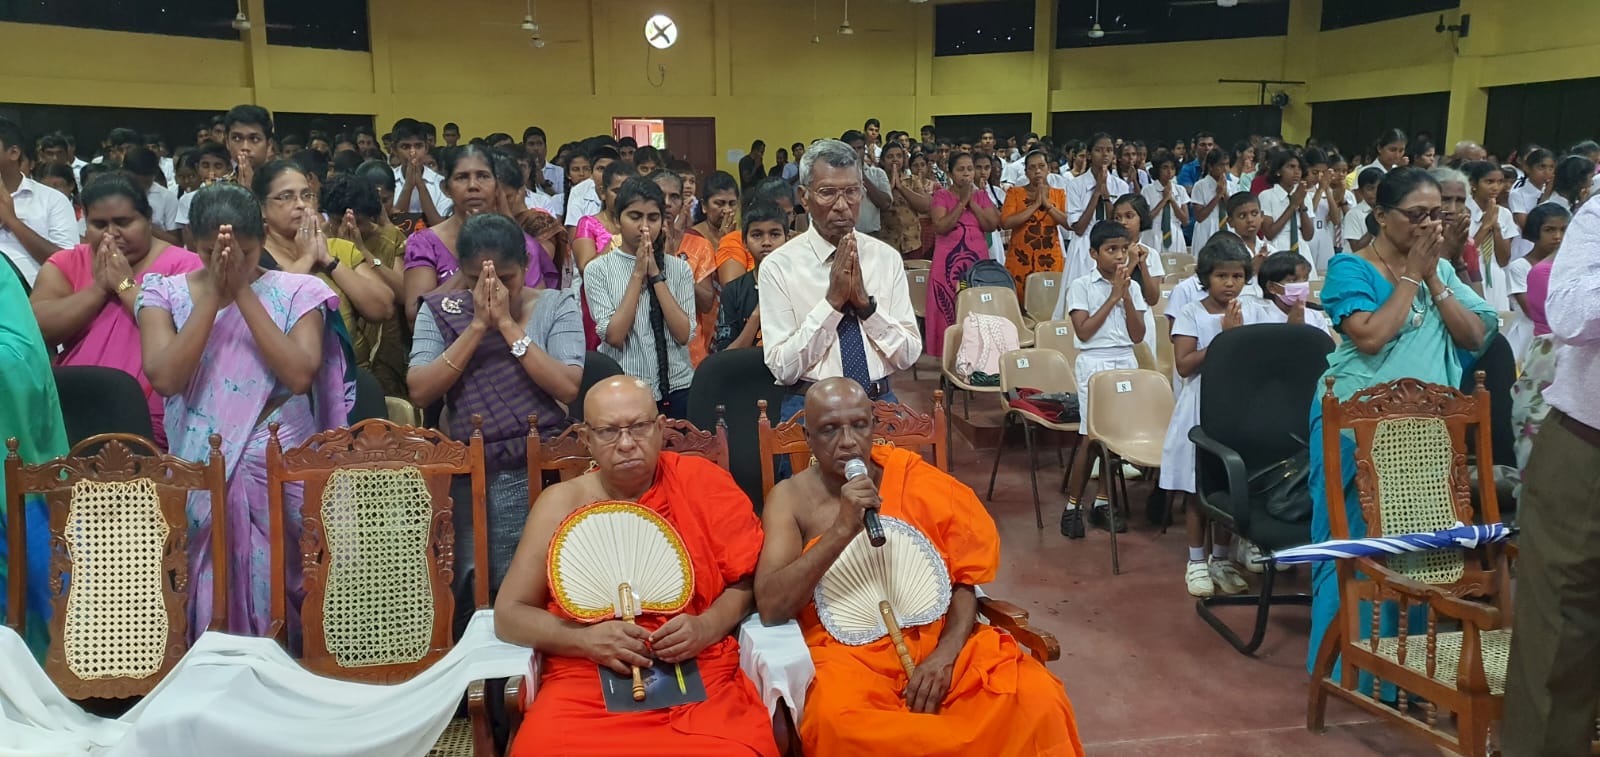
x: 1458, y: 537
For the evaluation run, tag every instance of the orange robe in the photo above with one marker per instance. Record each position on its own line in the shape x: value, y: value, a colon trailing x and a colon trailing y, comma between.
x: 696, y: 251
x: 1001, y: 701
x: 723, y: 537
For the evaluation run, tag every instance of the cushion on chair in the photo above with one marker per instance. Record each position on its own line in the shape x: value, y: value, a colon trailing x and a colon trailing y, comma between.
x: 1495, y: 645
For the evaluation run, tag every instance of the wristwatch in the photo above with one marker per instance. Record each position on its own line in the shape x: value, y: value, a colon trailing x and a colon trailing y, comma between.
x: 520, y: 347
x: 328, y: 268
x: 872, y: 307
x: 125, y: 285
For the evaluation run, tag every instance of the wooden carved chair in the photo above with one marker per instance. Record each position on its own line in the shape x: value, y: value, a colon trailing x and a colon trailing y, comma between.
x: 1412, y: 474
x: 377, y: 548
x: 118, y: 570
x: 900, y: 426
x: 568, y: 456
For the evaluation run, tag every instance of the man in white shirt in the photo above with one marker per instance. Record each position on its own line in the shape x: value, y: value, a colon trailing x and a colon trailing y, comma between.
x: 584, y: 199
x: 834, y: 300
x: 874, y: 133
x: 35, y: 220
x: 144, y: 166
x: 874, y: 181
x: 791, y: 172
x: 418, y: 189
x: 544, y: 176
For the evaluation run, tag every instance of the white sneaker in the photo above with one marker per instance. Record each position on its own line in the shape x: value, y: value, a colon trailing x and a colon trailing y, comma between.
x: 1131, y: 473
x: 1094, y: 472
x: 1247, y: 554
x: 1226, y: 576
x: 1198, y: 577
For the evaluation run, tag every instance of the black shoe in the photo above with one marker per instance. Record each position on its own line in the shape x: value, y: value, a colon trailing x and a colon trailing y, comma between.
x: 1072, y: 523
x: 1102, y: 515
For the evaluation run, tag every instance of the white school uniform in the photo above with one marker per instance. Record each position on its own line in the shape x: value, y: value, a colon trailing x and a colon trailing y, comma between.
x: 1200, y: 194
x: 1180, y: 199
x: 1078, y: 263
x: 1263, y: 310
x: 1326, y: 240
x: 1177, y: 452
x: 1274, y: 202
x: 997, y: 241
x: 1522, y: 245
x: 1496, y: 290
x: 1518, y: 328
x: 1355, y: 224
x: 1110, y: 348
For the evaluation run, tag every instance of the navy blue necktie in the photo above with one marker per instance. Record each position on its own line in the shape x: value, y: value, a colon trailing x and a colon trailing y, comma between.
x: 853, y: 351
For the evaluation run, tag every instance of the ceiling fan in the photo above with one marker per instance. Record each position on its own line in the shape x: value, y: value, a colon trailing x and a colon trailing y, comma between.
x: 530, y: 26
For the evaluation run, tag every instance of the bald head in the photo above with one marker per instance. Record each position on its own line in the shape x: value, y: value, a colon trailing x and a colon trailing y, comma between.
x: 1469, y: 150
x: 835, y: 394
x: 619, y: 396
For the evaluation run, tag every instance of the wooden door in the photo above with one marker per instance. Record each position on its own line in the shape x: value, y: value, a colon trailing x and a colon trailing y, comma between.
x: 695, y: 140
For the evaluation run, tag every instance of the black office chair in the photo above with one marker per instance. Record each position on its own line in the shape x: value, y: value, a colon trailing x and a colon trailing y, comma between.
x: 1254, y: 414
x: 99, y: 400
x: 369, y: 398
x: 736, y: 380
x: 1499, y: 366
x: 596, y: 368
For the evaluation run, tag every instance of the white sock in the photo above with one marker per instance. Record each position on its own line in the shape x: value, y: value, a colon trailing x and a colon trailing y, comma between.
x: 1072, y: 503
x: 1219, y: 551
x: 1197, y: 554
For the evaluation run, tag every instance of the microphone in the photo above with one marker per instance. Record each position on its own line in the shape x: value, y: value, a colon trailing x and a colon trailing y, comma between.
x: 854, y: 468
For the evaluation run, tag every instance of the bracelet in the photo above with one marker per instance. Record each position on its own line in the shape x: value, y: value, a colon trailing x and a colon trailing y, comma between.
x: 1442, y: 296
x: 450, y: 363
x: 1414, y: 282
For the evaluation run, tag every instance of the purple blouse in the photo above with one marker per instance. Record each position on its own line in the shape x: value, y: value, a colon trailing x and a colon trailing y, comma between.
x: 425, y: 249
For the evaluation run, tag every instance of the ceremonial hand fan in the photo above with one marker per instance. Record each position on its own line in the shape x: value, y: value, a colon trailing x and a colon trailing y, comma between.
x: 871, y: 591
x: 619, y: 560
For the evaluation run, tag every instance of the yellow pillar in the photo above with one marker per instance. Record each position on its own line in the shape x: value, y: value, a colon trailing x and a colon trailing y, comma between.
x: 922, y: 102
x: 1469, y: 101
x: 1299, y: 63
x: 378, y: 24
x: 1044, y: 47
x: 257, y: 69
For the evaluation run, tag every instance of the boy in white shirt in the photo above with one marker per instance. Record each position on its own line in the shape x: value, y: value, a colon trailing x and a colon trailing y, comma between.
x: 1169, y: 204
x: 1285, y: 206
x: 1356, y: 236
x: 1107, y: 317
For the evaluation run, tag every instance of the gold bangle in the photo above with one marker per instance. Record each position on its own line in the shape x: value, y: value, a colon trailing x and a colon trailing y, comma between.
x: 448, y: 362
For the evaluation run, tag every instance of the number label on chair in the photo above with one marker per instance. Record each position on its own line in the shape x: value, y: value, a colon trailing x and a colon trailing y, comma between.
x: 985, y: 297
x: 1022, y: 362
x: 1124, y: 386
x: 1049, y: 282
x: 920, y: 278
x: 1061, y: 331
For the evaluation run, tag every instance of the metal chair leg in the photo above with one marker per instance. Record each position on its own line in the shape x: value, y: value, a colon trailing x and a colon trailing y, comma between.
x: 1108, y: 481
x: 1263, y: 602
x: 1005, y: 430
x: 1033, y: 474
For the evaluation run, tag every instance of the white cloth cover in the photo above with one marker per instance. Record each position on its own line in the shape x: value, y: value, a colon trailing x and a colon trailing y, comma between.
x: 242, y: 697
x: 777, y: 659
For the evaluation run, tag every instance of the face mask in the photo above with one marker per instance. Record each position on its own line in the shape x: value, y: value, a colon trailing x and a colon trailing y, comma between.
x: 1294, y: 293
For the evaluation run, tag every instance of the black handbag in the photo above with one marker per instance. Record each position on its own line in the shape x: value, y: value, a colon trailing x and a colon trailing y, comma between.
x: 1285, y: 488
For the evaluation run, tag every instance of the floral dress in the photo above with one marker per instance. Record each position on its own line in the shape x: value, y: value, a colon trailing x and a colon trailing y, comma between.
x: 1035, y: 246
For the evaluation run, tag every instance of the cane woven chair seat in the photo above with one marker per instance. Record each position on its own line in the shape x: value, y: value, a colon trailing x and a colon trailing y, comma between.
x: 456, y: 741
x: 378, y: 606
x: 117, y: 623
x: 1495, y: 646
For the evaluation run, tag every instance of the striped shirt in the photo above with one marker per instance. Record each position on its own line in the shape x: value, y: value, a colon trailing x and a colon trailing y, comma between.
x: 605, y: 281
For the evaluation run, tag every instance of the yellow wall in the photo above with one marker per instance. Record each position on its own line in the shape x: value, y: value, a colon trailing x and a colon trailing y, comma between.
x: 751, y: 65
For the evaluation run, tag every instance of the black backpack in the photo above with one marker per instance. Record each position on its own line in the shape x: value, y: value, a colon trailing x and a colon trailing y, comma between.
x: 986, y: 273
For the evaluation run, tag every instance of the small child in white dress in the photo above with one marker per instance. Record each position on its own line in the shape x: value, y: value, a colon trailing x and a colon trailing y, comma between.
x: 1223, y: 269
x: 1284, y: 281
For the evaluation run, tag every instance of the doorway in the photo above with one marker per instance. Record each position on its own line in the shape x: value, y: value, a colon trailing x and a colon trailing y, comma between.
x: 692, y: 139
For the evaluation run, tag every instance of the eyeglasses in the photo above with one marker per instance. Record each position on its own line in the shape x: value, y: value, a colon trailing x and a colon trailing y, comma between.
x: 286, y: 197
x: 609, y: 435
x: 831, y: 195
x: 1418, y: 215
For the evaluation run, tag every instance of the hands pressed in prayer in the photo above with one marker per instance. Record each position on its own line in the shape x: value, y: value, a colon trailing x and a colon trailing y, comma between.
x: 1422, y: 263
x: 681, y: 638
x: 1233, y: 316
x: 489, y: 303
x: 110, y: 267
x: 841, y: 287
x: 617, y: 645
x: 312, y: 243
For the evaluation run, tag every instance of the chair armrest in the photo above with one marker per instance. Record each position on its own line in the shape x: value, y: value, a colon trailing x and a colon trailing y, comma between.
x: 1482, y: 616
x: 1238, y: 477
x: 777, y: 659
x: 478, y: 714
x: 513, y: 704
x: 1014, y: 620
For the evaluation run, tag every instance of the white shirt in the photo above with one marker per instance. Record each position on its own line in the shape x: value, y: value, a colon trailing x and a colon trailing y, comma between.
x: 557, y: 176
x: 180, y: 218
x: 1088, y: 293
x: 1262, y: 310
x: 1180, y: 199
x: 548, y: 203
x: 434, y: 181
x: 1524, y: 197
x: 582, y: 201
x: 1355, y: 222
x: 163, y: 207
x: 870, y: 219
x: 49, y: 214
x: 77, y: 168
x: 791, y: 172
x: 170, y: 171
x: 800, y: 330
x: 1274, y: 202
x: 1014, y: 173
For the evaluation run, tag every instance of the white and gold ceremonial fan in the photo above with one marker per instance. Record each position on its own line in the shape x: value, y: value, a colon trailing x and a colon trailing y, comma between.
x: 619, y: 560
x: 871, y: 591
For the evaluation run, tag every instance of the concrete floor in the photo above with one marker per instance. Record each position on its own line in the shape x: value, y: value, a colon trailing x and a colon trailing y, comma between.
x: 1145, y: 674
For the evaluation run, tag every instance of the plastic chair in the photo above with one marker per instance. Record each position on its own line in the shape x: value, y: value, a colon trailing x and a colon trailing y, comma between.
x: 1048, y: 371
x: 917, y: 288
x: 1166, y: 357
x: 1058, y: 336
x: 1001, y: 301
x: 1175, y: 261
x: 1126, y: 418
x: 914, y: 264
x: 949, y: 381
x: 1041, y: 293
